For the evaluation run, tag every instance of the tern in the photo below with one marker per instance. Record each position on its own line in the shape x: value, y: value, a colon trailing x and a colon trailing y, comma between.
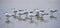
x: 51, y: 13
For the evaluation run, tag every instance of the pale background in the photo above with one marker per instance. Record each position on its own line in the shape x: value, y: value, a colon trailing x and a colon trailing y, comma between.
x: 6, y: 5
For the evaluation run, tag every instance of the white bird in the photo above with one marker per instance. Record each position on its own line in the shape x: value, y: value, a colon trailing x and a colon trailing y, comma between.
x: 8, y: 15
x: 20, y: 12
x: 52, y: 10
x: 51, y: 13
x: 37, y: 12
x: 15, y: 12
x: 26, y: 12
x: 44, y: 13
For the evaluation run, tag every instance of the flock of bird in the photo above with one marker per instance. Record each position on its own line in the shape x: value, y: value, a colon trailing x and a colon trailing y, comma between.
x: 29, y: 16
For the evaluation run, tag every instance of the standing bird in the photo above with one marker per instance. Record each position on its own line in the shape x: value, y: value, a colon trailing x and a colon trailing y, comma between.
x: 52, y: 11
x: 20, y: 13
x: 39, y: 14
x: 8, y: 16
x: 15, y: 12
x: 26, y: 12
